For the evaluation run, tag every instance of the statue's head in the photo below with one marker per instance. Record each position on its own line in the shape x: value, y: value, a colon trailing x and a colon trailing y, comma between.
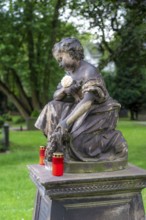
x: 72, y: 46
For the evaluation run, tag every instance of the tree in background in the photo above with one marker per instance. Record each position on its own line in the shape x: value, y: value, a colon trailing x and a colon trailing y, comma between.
x: 28, y: 32
x: 130, y: 80
x: 119, y: 30
x: 29, y: 29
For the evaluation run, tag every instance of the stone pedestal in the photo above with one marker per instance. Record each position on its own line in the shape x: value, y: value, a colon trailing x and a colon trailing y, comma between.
x: 96, y: 196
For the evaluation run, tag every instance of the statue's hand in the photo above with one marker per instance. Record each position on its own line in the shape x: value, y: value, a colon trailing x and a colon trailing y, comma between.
x: 62, y: 130
x: 57, y: 140
x: 62, y: 127
x: 72, y: 89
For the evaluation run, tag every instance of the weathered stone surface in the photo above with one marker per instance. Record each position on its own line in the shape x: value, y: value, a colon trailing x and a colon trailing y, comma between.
x: 92, y: 167
x: 81, y: 119
x: 103, y: 196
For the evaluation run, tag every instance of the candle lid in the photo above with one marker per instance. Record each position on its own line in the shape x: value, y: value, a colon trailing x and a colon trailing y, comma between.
x: 57, y: 154
x: 42, y: 147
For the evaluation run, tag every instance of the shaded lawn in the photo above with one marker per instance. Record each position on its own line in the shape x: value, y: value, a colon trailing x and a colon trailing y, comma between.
x: 135, y: 134
x: 17, y: 192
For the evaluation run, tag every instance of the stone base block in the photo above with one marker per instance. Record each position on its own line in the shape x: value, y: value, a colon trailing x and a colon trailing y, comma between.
x: 97, y: 196
x: 92, y: 167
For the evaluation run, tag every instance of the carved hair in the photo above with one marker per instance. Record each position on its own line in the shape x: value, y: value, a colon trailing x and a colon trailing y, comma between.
x: 71, y: 46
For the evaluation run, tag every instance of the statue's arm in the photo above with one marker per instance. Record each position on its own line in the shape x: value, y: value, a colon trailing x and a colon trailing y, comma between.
x: 59, y: 94
x: 83, y: 106
x: 62, y: 92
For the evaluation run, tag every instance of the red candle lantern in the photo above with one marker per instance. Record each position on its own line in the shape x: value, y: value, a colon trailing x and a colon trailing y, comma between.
x: 57, y: 164
x: 42, y: 155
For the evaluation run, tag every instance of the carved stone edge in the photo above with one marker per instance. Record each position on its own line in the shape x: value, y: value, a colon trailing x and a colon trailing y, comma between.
x: 108, y: 187
x: 89, y: 186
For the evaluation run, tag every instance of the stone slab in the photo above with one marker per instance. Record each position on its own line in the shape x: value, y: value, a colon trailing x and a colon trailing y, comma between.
x: 135, y: 177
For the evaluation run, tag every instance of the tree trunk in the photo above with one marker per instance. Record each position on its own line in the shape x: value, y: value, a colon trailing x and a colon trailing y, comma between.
x: 23, y: 96
x: 15, y: 100
x: 51, y: 42
x: 31, y: 55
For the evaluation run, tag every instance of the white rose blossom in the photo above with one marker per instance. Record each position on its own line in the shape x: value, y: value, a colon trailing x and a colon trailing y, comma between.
x: 66, y: 81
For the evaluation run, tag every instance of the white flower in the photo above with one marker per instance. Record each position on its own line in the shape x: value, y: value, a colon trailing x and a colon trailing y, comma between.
x: 66, y: 81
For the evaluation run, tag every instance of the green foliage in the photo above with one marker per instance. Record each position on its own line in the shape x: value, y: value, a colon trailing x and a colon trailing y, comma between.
x: 1, y: 121
x: 29, y: 29
x: 130, y: 79
x: 35, y: 113
x: 28, y: 72
x: 120, y: 32
x: 17, y: 120
x: 5, y: 118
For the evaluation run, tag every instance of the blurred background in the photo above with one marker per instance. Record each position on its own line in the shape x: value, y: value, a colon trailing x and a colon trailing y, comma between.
x: 113, y: 34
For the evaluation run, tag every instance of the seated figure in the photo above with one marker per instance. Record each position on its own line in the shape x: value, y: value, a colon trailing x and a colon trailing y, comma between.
x: 81, y: 119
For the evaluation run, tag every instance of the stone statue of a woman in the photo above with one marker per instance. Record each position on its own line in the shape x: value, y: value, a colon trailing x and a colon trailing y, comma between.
x: 81, y: 119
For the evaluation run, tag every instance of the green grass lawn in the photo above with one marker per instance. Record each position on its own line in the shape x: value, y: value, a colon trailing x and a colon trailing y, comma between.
x: 17, y: 192
x: 135, y: 134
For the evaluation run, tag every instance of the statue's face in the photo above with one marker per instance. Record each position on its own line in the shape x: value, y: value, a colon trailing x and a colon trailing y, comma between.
x: 65, y: 61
